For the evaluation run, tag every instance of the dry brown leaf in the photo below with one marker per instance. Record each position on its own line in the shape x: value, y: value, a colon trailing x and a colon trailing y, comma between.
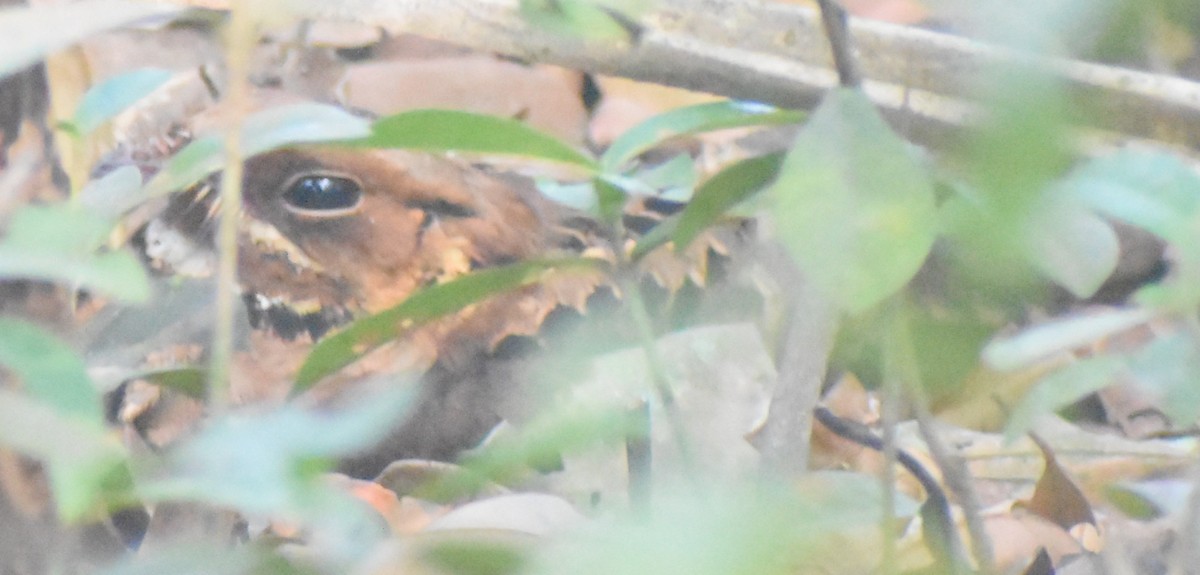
x: 1042, y: 565
x: 1018, y: 538
x: 545, y: 97
x: 1056, y: 497
x: 404, y: 515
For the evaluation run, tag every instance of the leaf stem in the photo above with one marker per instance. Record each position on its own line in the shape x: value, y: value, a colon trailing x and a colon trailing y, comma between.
x: 658, y: 376
x: 240, y: 40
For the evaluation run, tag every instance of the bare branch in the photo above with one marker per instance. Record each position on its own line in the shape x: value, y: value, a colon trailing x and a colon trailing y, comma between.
x: 777, y: 53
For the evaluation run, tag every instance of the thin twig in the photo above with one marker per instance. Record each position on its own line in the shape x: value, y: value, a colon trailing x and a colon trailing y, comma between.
x: 639, y: 458
x: 658, y: 376
x: 889, y: 416
x: 958, y: 481
x: 837, y: 29
x: 936, y: 510
x: 953, y: 471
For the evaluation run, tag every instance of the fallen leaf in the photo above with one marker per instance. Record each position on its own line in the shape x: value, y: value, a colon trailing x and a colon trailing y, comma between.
x: 1056, y: 497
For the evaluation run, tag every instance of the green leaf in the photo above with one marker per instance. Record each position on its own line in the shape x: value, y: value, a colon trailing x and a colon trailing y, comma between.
x: 269, y: 463
x: 191, y: 557
x: 854, y: 205
x: 1151, y: 498
x: 59, y: 242
x: 85, y: 464
x: 449, y: 130
x: 548, y: 436
x: 691, y: 120
x: 1154, y: 191
x: 1060, y: 389
x: 341, y: 349
x: 109, y: 195
x: 578, y: 195
x: 32, y: 33
x: 590, y: 19
x: 49, y: 369
x: 723, y: 191
x: 190, y: 381
x: 264, y: 131
x: 712, y: 200
x: 1043, y: 341
x: 740, y: 528
x: 1167, y: 369
x: 1011, y: 160
x: 111, y: 97
x: 1072, y: 246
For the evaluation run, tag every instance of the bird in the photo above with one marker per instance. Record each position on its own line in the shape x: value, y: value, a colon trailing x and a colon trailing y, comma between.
x: 331, y: 234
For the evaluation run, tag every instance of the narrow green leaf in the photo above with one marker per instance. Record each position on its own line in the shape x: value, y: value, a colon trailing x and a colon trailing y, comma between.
x: 691, y: 120
x: 31, y: 33
x: 261, y: 132
x: 610, y: 199
x: 190, y: 381
x: 1150, y: 498
x: 1041, y: 342
x: 854, y: 205
x: 726, y: 189
x: 454, y: 131
x: 49, y: 369
x: 341, y: 349
x: 712, y: 200
x: 111, y: 97
x: 59, y: 243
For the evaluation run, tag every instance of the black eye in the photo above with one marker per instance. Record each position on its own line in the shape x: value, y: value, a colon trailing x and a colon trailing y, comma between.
x: 323, y: 195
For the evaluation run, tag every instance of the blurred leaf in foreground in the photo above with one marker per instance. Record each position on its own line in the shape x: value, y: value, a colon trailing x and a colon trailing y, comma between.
x: 1156, y: 192
x: 60, y: 243
x: 267, y: 463
x: 745, y: 528
x: 49, y: 370
x: 1167, y: 369
x: 272, y: 465
x: 109, y: 98
x: 85, y: 464
x: 31, y: 33
x: 854, y: 205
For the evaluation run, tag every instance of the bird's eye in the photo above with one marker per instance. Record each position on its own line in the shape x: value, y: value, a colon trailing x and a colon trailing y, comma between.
x: 323, y: 195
